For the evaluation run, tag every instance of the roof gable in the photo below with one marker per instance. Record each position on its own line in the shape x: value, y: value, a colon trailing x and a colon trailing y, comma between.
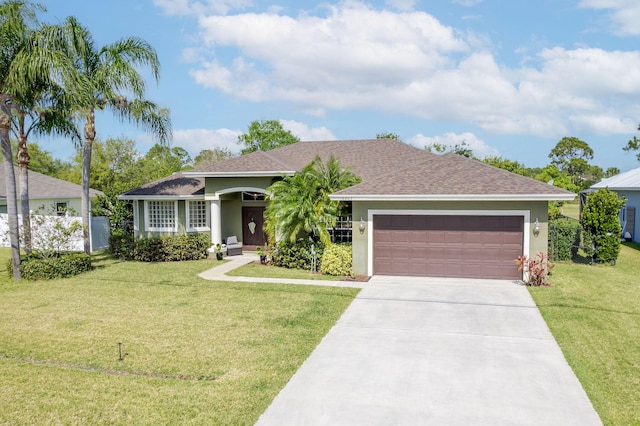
x: 175, y: 185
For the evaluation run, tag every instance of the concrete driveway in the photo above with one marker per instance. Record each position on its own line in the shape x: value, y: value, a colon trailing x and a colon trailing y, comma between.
x: 422, y: 351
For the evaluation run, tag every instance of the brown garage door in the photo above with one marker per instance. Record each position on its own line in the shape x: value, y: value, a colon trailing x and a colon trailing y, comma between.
x: 447, y: 246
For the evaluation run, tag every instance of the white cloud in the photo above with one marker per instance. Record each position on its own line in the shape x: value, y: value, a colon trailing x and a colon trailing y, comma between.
x: 624, y: 14
x: 195, y: 140
x: 479, y: 147
x: 306, y: 133
x: 353, y: 56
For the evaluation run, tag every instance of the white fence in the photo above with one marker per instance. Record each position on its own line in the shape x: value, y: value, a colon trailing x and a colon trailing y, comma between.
x: 44, y: 235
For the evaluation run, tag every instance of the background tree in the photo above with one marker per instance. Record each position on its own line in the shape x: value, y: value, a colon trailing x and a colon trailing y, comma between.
x: 161, y: 161
x: 265, y: 135
x: 553, y: 175
x: 300, y: 204
x: 113, y: 72
x: 461, y: 148
x: 388, y: 135
x: 208, y: 157
x: 505, y: 164
x: 633, y: 145
x: 600, y: 218
x: 611, y: 171
x: 572, y: 155
x: 41, y: 160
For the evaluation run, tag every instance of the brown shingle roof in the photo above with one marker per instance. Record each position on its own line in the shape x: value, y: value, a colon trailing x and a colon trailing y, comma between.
x: 366, y: 158
x: 175, y: 185
x: 451, y: 175
x: 387, y: 168
x: 43, y: 186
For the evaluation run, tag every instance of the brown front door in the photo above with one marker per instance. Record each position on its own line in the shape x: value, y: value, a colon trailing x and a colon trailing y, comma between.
x: 253, y: 226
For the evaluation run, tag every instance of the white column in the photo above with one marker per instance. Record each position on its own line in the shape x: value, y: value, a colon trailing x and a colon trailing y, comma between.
x: 216, y: 223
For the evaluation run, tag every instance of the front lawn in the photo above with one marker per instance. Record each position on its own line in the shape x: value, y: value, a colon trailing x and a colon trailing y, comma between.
x: 194, y: 351
x: 594, y: 314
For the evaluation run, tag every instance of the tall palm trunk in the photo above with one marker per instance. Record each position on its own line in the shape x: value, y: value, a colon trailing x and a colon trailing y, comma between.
x: 10, y: 179
x: 89, y: 137
x: 22, y: 158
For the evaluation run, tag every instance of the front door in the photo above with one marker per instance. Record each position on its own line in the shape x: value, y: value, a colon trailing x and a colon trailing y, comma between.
x: 253, y: 226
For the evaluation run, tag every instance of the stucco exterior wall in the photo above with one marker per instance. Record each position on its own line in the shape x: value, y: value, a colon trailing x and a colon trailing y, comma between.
x: 633, y: 200
x: 47, y: 205
x: 212, y: 185
x: 362, y: 243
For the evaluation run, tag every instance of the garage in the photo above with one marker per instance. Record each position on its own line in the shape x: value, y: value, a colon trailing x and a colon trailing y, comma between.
x: 447, y: 245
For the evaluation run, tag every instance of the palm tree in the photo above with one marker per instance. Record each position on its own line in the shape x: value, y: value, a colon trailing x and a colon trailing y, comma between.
x: 111, y: 72
x: 35, y: 80
x: 42, y: 111
x: 300, y: 203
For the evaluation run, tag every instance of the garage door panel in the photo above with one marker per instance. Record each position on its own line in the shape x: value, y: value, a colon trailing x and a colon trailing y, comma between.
x: 448, y: 246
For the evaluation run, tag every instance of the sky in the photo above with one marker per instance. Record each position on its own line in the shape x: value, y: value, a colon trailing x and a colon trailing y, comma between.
x: 509, y: 78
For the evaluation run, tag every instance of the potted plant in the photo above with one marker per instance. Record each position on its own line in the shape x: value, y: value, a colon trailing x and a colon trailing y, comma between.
x: 219, y: 251
x: 262, y: 254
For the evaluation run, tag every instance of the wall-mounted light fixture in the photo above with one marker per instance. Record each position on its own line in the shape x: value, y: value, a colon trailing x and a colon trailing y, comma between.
x: 536, y: 227
x: 362, y: 225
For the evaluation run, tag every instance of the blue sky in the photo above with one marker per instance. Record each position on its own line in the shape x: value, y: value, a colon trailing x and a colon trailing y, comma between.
x: 510, y: 78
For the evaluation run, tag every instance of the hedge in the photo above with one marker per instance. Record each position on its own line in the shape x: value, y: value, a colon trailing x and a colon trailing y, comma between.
x: 62, y: 265
x: 173, y: 248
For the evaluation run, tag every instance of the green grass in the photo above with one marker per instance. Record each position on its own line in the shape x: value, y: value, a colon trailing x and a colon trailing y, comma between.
x: 571, y: 209
x: 594, y: 314
x: 257, y: 270
x: 196, y: 351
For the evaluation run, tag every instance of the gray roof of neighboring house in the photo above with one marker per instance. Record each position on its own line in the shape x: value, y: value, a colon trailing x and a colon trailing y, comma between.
x: 175, y: 185
x: 388, y: 169
x: 624, y: 181
x: 43, y: 186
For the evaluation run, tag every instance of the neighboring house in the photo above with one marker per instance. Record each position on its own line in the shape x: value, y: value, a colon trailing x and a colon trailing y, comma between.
x: 46, y: 194
x: 414, y: 213
x: 626, y: 185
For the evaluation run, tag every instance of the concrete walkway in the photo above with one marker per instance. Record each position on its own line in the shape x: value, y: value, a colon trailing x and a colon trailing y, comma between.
x: 415, y: 351
x: 219, y: 272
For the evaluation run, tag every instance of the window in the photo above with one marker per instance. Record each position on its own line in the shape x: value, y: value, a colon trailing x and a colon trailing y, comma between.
x: 61, y: 208
x: 197, y: 215
x: 161, y: 215
x: 342, y: 233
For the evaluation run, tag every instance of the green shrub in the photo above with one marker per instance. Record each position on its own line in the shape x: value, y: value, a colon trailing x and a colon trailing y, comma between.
x: 564, y: 235
x: 600, y: 219
x: 121, y: 244
x: 296, y: 255
x: 337, y: 259
x: 61, y: 265
x: 171, y: 248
